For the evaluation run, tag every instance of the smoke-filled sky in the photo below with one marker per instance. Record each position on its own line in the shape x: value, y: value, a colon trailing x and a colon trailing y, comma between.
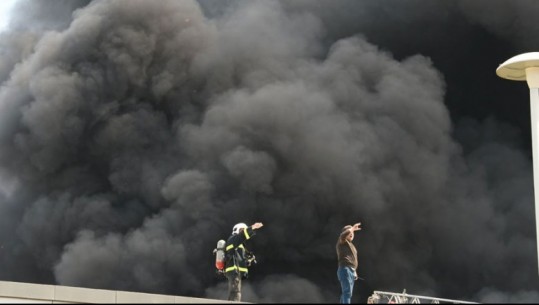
x: 135, y: 134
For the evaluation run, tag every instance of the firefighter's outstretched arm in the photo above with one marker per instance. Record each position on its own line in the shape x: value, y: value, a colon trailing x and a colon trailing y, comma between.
x: 245, y: 234
x: 257, y: 225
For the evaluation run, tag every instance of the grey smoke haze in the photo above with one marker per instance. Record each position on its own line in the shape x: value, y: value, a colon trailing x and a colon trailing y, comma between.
x: 135, y: 134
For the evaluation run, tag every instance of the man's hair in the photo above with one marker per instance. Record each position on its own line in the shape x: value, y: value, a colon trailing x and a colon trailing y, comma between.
x: 346, y: 228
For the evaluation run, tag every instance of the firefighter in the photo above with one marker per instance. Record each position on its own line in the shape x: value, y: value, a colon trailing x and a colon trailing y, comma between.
x: 238, y: 258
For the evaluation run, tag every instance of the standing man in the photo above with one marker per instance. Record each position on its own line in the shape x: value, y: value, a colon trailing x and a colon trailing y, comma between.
x: 347, y: 258
x: 237, y: 258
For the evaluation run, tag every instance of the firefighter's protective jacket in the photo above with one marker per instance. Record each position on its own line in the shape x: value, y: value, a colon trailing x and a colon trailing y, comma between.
x: 235, y: 252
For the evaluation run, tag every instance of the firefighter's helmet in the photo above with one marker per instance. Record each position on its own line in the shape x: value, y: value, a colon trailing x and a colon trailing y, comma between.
x: 238, y: 227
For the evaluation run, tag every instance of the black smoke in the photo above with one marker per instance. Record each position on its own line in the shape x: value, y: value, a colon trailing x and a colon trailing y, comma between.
x: 135, y: 134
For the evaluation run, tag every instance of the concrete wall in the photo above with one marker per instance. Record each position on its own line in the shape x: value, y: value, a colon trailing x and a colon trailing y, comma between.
x: 15, y: 292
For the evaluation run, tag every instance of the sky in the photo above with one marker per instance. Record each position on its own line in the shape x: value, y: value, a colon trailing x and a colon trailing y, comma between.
x: 135, y: 134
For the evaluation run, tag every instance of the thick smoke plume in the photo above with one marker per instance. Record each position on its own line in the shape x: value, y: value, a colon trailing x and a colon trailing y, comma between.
x: 135, y: 134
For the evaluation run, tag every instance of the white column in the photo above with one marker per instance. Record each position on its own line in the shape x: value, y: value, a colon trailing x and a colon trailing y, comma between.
x: 532, y: 77
x: 534, y: 105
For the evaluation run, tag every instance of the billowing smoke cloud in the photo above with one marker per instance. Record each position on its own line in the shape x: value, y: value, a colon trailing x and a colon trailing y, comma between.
x: 135, y: 134
x: 511, y: 20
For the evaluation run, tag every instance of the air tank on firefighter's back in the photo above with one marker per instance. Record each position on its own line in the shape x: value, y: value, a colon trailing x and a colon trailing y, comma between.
x: 220, y: 255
